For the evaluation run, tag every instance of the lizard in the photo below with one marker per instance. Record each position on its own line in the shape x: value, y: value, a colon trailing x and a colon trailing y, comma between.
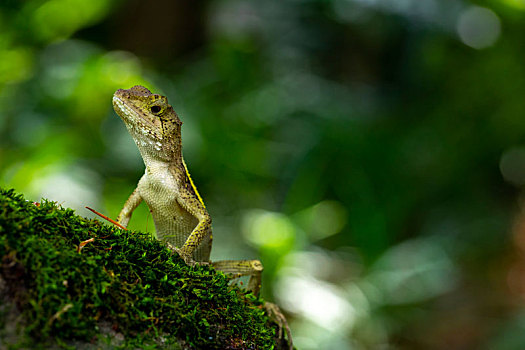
x: 179, y: 213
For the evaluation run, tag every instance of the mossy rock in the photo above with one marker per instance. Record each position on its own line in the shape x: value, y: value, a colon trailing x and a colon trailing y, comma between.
x: 123, y: 289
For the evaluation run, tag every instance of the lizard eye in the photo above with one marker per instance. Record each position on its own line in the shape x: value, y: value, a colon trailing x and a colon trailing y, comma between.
x: 155, y: 109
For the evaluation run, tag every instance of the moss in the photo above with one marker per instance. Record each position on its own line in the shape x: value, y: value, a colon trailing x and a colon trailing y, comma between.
x: 125, y: 280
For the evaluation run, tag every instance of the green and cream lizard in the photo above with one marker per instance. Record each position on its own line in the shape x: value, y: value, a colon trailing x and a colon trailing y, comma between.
x: 180, y: 216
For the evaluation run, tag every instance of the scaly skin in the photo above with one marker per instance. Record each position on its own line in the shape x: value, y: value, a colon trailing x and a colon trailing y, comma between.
x: 180, y: 216
x: 178, y: 211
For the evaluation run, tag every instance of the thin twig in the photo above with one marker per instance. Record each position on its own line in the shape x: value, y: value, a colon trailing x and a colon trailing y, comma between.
x: 108, y: 219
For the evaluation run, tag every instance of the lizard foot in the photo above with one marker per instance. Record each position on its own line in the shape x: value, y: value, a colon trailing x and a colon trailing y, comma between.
x: 187, y: 258
x: 276, y: 315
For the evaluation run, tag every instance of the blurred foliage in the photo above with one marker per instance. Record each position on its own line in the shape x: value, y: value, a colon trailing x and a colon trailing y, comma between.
x: 370, y: 152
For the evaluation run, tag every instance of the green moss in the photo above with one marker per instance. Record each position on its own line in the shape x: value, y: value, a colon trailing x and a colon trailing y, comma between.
x: 123, y: 279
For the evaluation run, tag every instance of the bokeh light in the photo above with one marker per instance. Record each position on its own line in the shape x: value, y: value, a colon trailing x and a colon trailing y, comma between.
x: 479, y: 27
x: 512, y: 166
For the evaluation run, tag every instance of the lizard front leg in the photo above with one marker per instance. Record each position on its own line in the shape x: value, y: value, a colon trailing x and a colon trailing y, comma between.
x: 195, y: 238
x: 194, y: 206
x: 131, y: 204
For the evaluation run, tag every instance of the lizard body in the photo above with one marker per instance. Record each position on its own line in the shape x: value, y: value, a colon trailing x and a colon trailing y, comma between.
x: 179, y: 213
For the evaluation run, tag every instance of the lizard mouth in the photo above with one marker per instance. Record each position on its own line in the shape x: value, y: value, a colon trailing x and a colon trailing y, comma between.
x: 121, y: 108
x: 133, y: 120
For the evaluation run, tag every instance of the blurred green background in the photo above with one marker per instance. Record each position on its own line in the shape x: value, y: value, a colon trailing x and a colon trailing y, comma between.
x: 370, y: 152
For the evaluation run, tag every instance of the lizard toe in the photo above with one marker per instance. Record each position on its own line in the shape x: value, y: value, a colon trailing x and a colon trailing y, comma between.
x: 276, y: 315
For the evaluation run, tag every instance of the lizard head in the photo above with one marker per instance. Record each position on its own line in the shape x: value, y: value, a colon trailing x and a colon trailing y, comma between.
x: 150, y: 119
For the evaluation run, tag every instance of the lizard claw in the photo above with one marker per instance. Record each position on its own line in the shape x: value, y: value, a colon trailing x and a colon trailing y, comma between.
x: 276, y: 315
